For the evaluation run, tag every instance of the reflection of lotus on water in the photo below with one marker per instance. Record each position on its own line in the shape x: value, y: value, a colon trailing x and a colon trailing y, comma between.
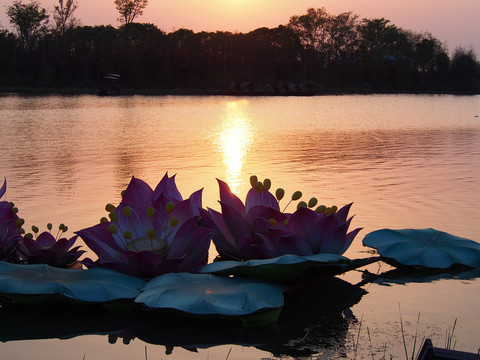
x: 152, y: 264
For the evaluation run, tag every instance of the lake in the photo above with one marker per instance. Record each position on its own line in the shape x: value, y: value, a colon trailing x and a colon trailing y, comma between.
x: 405, y: 161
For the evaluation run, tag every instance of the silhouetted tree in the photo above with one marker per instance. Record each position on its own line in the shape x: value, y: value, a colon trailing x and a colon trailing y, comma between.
x: 28, y: 19
x: 465, y: 69
x: 130, y: 9
x: 63, y: 15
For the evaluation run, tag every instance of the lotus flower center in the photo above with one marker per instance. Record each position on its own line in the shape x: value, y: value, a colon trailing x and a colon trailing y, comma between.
x: 157, y: 245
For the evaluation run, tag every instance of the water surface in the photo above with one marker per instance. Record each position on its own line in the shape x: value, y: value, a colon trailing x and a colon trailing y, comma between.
x: 405, y: 161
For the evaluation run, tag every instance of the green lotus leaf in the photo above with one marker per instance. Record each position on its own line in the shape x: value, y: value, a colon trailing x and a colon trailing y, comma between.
x: 424, y: 247
x: 280, y: 269
x: 94, y: 285
x: 207, y: 294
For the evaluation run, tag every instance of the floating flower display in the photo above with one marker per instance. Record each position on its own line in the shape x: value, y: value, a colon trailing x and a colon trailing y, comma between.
x: 10, y: 228
x: 151, y: 232
x: 259, y: 230
x: 46, y: 249
x: 424, y: 247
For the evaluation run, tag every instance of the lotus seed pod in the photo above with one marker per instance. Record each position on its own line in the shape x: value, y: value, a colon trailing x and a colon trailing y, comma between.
x: 296, y: 195
x: 109, y: 208
x: 113, y: 216
x: 65, y: 228
x: 301, y: 204
x: 334, y: 208
x: 61, y: 226
x: 127, y: 234
x: 259, y: 187
x: 49, y: 226
x: 273, y: 221
x: 169, y: 207
x: 312, y: 202
x: 150, y: 233
x: 122, y: 193
x: 15, y: 210
x: 173, y: 221
x: 150, y: 212
x: 35, y: 229
x: 12, y: 204
x: 127, y: 210
x: 285, y: 222
x: 253, y: 180
x: 279, y: 194
x: 112, y: 229
x: 21, y: 231
x: 103, y: 220
x: 267, y: 184
x: 29, y: 235
x: 321, y: 209
x: 19, y: 223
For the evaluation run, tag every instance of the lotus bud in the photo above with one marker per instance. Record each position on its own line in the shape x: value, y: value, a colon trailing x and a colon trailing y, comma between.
x: 259, y: 187
x: 285, y: 222
x: 65, y: 228
x: 122, y: 193
x: 296, y: 195
x: 35, y: 229
x: 15, y: 210
x: 321, y: 209
x: 150, y: 212
x: 273, y: 221
x: 113, y: 216
x: 334, y: 208
x: 29, y: 235
x: 110, y: 208
x: 267, y: 184
x: 112, y: 229
x: 103, y: 220
x: 301, y: 204
x: 173, y: 221
x: 127, y: 210
x: 19, y: 223
x: 279, y: 194
x: 150, y: 233
x: 12, y: 204
x: 169, y: 207
x: 253, y: 180
x: 127, y: 234
x: 21, y: 231
x: 49, y: 226
x: 61, y: 226
x: 312, y: 202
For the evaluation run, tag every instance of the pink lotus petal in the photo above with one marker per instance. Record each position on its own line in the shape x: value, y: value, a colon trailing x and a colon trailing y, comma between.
x: 138, y: 192
x: 301, y: 222
x: 334, y: 240
x: 45, y: 239
x: 101, y: 242
x: 265, y: 212
x: 3, y: 189
x: 264, y: 198
x: 168, y: 188
x: 289, y: 244
x: 229, y: 198
x: 236, y: 223
x: 222, y: 238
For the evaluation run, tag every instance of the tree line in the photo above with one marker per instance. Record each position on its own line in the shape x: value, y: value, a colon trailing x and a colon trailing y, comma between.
x: 329, y: 52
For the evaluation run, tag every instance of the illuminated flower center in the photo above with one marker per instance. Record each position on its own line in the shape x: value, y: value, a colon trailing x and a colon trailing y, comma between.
x: 157, y: 245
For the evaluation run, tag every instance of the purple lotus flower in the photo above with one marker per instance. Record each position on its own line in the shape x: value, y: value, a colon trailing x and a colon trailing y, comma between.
x: 46, y: 249
x: 10, y: 227
x: 259, y: 230
x: 151, y: 232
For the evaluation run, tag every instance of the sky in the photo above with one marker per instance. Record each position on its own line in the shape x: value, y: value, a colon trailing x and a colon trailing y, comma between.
x: 454, y: 22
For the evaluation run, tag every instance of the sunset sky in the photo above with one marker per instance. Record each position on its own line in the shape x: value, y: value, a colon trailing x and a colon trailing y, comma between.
x: 456, y: 23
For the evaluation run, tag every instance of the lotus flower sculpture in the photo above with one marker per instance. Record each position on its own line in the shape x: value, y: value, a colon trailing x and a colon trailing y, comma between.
x: 259, y: 230
x: 151, y: 232
x: 10, y: 228
x: 46, y: 249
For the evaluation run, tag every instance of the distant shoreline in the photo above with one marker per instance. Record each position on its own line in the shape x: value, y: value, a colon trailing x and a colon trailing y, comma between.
x: 38, y: 91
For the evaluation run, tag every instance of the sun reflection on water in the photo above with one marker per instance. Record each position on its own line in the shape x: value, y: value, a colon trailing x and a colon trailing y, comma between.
x: 234, y: 138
